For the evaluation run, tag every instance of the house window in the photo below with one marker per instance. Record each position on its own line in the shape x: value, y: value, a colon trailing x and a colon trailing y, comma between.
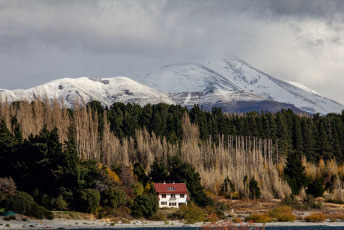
x: 163, y: 195
x: 171, y: 188
x: 173, y: 195
x: 172, y: 204
x: 181, y: 195
x: 163, y: 203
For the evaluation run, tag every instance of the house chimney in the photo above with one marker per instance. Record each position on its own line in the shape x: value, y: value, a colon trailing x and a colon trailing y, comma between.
x: 164, y: 182
x: 173, y: 182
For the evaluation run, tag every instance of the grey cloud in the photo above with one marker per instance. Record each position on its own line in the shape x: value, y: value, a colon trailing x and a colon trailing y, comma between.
x: 328, y: 10
x: 293, y: 40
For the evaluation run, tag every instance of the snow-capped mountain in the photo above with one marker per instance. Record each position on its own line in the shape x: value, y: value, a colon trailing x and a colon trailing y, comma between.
x: 228, y: 83
x: 231, y: 76
x: 105, y: 90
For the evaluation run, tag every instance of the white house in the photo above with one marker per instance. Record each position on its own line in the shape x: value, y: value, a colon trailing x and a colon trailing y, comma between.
x: 171, y: 195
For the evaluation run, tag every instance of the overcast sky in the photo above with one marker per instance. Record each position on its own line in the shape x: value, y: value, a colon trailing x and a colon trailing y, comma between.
x: 295, y: 40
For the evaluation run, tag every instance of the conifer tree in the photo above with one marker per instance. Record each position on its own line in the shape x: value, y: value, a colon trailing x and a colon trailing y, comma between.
x: 254, y: 190
x: 159, y: 172
x: 7, y: 147
x: 294, y: 172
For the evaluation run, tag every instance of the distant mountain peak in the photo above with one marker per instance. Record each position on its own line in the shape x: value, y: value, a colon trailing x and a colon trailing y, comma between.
x: 227, y: 82
x: 233, y: 74
x: 105, y: 90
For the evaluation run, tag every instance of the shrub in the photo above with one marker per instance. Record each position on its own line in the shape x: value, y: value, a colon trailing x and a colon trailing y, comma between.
x: 316, y: 217
x: 20, y: 202
x: 113, y: 197
x: 307, y: 204
x: 332, y: 217
x: 8, y: 218
x: 212, y: 218
x: 138, y: 189
x: 103, y: 212
x: 316, y: 188
x: 258, y: 218
x: 40, y: 212
x: 60, y: 203
x: 283, y: 214
x: 159, y: 216
x: 237, y: 220
x: 190, y: 213
x: 145, y: 205
x: 222, y: 206
x: 217, y: 210
x: 310, y: 203
x: 88, y: 200
x: 286, y: 217
x: 335, y: 217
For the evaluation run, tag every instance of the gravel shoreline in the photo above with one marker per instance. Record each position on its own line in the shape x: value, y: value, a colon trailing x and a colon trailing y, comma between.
x: 96, y: 224
x: 88, y: 224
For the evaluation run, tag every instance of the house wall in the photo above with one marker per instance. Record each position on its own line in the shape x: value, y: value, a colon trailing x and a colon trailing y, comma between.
x: 172, y: 202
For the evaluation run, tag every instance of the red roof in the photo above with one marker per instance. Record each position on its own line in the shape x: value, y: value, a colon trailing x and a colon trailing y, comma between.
x: 170, y: 188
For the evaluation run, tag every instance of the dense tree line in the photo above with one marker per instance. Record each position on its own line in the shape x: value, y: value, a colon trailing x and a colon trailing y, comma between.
x: 314, y: 136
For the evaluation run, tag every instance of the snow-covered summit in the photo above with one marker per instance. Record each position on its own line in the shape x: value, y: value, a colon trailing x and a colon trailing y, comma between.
x: 233, y: 74
x: 105, y: 90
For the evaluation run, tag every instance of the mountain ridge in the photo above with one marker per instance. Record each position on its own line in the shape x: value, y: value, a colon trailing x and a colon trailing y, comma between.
x: 228, y: 83
x: 231, y: 73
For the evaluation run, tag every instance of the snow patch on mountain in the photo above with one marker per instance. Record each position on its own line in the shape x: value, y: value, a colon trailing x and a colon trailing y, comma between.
x: 305, y: 88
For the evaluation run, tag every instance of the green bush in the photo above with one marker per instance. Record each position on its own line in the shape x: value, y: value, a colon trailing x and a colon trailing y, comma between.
x: 159, y: 216
x: 258, y: 218
x: 8, y: 218
x: 222, y: 206
x: 282, y: 214
x: 190, y: 213
x: 307, y: 204
x: 20, y: 202
x: 113, y: 197
x: 145, y: 205
x: 138, y: 189
x: 40, y: 212
x: 88, y: 200
x: 60, y: 203
x: 315, y: 188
